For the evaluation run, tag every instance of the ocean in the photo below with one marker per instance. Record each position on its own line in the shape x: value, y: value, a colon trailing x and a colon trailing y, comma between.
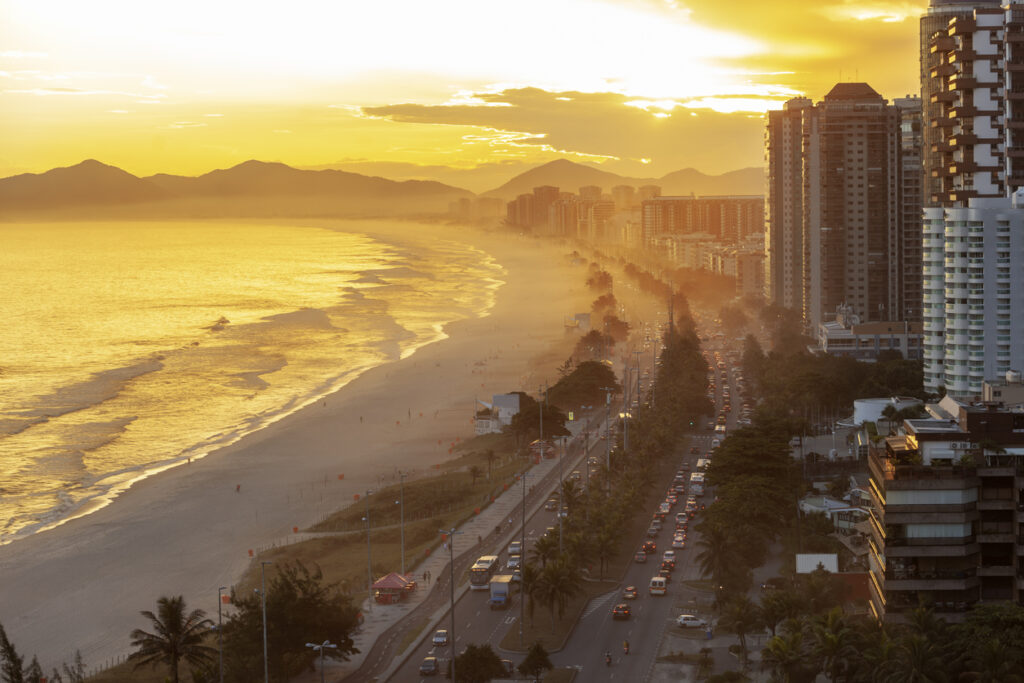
x: 129, y: 348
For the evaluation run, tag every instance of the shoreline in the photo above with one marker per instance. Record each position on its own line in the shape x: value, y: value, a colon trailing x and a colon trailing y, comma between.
x: 188, y: 529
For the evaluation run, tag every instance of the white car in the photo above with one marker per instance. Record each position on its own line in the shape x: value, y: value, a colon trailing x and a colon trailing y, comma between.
x: 441, y: 637
x: 669, y: 555
x: 690, y: 621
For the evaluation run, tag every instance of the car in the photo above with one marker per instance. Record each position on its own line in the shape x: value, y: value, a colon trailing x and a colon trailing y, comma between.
x: 640, y: 557
x: 515, y: 548
x: 517, y: 575
x: 441, y: 637
x: 669, y: 555
x: 652, y: 531
x: 629, y: 593
x: 649, y: 546
x: 668, y: 564
x: 656, y: 524
x: 550, y: 531
x: 509, y: 666
x: 515, y: 561
x: 592, y: 460
x: 551, y: 505
x: 693, y: 450
x: 666, y: 573
x: 690, y: 621
x: 576, y: 475
x: 620, y: 611
x: 429, y: 667
x: 679, y: 542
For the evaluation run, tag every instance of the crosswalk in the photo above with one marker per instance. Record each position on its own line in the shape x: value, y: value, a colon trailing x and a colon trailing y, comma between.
x: 597, y: 603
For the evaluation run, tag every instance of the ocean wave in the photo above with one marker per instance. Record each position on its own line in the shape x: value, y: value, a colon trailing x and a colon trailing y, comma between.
x: 304, y: 317
x: 100, y: 387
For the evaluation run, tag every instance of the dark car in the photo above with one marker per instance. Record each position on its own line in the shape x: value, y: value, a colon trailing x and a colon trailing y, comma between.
x: 640, y: 557
x: 429, y: 667
x: 649, y: 547
x: 668, y: 564
x: 620, y: 611
x: 666, y: 572
x: 629, y: 593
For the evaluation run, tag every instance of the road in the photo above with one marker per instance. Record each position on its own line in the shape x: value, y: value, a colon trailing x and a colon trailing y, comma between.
x: 596, y: 632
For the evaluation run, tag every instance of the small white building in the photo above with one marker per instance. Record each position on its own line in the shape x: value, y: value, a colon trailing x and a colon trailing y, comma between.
x: 497, y: 414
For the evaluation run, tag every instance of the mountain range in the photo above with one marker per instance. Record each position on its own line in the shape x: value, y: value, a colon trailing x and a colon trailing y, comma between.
x: 257, y: 188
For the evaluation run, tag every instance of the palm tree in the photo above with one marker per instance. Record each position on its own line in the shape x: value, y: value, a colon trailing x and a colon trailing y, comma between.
x: 475, y: 472
x: 544, y: 548
x: 785, y: 656
x: 832, y: 643
x: 604, y: 546
x: 558, y: 582
x: 716, y: 557
x: 994, y: 663
x: 176, y: 636
x: 917, y: 661
x: 531, y: 581
x: 741, y: 617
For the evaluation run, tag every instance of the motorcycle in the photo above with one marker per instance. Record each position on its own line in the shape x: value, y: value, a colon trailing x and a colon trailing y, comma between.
x: 625, y: 647
x: 607, y: 658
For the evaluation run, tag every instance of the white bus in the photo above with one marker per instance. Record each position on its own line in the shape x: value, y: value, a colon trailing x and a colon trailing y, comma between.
x: 481, y: 572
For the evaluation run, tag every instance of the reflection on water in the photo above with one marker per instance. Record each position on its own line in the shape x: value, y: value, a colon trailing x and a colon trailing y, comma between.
x: 128, y: 348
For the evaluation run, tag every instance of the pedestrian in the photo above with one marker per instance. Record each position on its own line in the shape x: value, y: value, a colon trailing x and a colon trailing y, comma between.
x: 424, y: 577
x: 238, y: 488
x: 479, y: 540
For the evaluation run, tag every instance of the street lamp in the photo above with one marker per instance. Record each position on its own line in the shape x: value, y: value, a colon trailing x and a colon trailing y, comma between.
x: 369, y: 562
x: 451, y: 564
x: 263, y: 598
x: 320, y: 648
x: 220, y: 632
x: 401, y: 513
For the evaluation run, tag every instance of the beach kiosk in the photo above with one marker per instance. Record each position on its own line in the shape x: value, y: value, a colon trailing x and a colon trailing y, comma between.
x: 392, y: 588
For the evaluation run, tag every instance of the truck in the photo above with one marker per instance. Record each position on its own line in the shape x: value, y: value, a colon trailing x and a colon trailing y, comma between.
x: 501, y: 591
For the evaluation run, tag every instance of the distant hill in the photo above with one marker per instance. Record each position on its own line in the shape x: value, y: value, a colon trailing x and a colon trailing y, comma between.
x: 479, y: 178
x: 87, y: 183
x: 252, y: 188
x: 570, y: 176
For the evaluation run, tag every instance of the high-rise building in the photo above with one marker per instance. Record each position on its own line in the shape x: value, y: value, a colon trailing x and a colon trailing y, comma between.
x: 519, y: 212
x: 965, y: 120
x: 851, y: 151
x: 972, y: 256
x: 908, y: 269
x: 649, y: 192
x: 563, y: 216
x: 590, y: 193
x: 543, y: 197
x: 783, y: 222
x: 624, y: 197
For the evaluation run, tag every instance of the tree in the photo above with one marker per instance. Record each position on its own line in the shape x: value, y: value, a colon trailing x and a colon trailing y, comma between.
x: 475, y: 472
x: 76, y: 672
x: 544, y: 548
x: 741, y: 617
x: 489, y: 454
x: 558, y: 583
x: 536, y: 662
x: 300, y: 606
x: 917, y: 661
x: 177, y: 635
x: 34, y: 672
x: 994, y: 662
x: 478, y: 664
x: 831, y: 642
x: 785, y: 656
x: 531, y: 581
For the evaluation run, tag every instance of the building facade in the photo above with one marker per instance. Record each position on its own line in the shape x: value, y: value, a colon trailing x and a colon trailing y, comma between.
x: 850, y: 171
x: 945, y: 520
x: 783, y: 222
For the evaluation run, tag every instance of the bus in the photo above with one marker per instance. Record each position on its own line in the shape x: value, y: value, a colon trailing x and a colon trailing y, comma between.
x: 481, y: 572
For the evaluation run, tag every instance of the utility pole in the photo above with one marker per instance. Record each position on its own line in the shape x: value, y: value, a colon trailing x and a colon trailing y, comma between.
x: 522, y: 548
x: 401, y: 514
x: 263, y: 597
x: 369, y: 563
x: 451, y: 555
x: 608, y: 438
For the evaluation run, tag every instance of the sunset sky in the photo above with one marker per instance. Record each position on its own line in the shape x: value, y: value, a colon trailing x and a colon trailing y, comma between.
x: 644, y: 87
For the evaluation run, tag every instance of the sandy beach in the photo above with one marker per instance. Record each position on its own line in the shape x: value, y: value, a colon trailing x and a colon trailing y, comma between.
x: 189, y: 530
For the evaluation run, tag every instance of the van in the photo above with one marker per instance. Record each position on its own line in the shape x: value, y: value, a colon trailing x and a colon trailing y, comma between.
x: 659, y: 586
x: 715, y: 443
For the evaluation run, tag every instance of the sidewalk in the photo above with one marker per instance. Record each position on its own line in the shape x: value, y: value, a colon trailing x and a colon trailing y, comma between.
x: 387, y: 627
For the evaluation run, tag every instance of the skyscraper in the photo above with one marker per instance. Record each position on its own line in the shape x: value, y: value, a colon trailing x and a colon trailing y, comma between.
x: 783, y: 204
x: 851, y: 151
x: 911, y: 201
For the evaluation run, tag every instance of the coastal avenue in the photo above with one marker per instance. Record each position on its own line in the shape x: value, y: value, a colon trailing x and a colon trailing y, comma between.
x: 596, y: 632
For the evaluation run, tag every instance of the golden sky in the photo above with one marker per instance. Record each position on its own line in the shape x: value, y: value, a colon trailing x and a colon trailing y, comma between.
x: 643, y: 87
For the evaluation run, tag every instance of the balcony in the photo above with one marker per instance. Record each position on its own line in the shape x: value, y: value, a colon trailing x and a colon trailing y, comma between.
x: 998, y: 569
x: 942, y: 44
x: 943, y: 70
x: 963, y: 82
x: 945, y: 96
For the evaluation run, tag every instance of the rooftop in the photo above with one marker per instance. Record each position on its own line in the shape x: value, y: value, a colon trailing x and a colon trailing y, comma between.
x: 852, y: 91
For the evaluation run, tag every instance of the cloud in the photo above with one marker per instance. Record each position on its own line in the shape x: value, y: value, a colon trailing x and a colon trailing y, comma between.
x: 79, y: 92
x: 598, y: 126
x: 22, y: 54
x: 186, y: 124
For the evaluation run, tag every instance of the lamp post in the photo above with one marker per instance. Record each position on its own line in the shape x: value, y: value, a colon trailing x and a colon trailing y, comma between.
x: 320, y: 648
x: 369, y: 561
x: 401, y: 514
x: 220, y: 633
x: 522, y: 547
x: 451, y: 564
x: 608, y: 438
x: 263, y: 599
x: 561, y: 499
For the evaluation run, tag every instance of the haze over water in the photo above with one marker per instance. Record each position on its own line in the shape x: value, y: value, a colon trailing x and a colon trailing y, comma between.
x: 128, y: 348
